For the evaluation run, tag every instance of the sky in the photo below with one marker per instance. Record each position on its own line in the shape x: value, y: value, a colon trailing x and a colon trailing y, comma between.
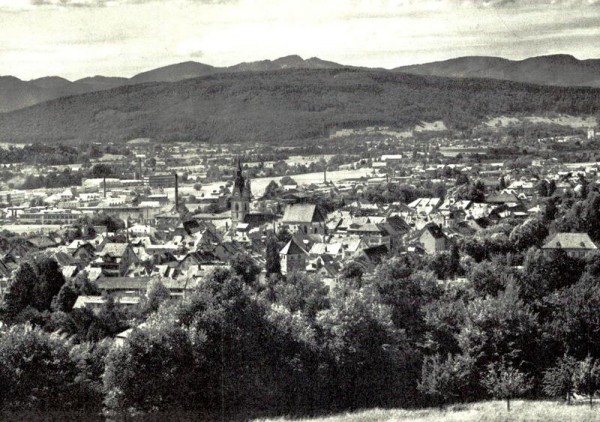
x: 80, y: 38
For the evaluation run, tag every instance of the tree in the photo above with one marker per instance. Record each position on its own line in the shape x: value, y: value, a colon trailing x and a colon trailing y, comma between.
x: 287, y: 180
x: 35, y: 284
x: 303, y: 293
x: 156, y: 293
x: 445, y: 380
x: 18, y: 293
x: 559, y: 381
x: 36, y: 372
x: 65, y: 299
x: 543, y: 188
x: 503, y: 381
x: 273, y: 264
x: 462, y: 179
x: 153, y: 370
x: 101, y: 170
x: 271, y: 190
x: 243, y: 265
x: 476, y: 192
x: 531, y: 233
x: 587, y: 377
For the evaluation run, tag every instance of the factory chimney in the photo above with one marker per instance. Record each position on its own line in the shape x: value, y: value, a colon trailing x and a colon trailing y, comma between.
x: 176, y: 193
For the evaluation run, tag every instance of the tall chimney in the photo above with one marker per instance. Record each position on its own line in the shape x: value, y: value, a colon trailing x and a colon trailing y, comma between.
x: 325, y: 175
x: 140, y: 168
x: 104, y: 186
x: 176, y: 193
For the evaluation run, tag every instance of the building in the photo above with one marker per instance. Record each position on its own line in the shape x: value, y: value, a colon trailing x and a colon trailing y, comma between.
x: 240, y: 197
x: 433, y: 239
x: 115, y: 259
x: 161, y: 181
x: 292, y: 257
x: 50, y: 216
x: 576, y: 245
x: 306, y: 218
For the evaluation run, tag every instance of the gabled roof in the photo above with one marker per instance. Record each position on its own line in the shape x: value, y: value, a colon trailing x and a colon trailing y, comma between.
x: 302, y: 213
x: 292, y: 248
x: 122, y: 283
x: 325, y: 248
x: 570, y: 241
x: 434, y: 230
x: 114, y: 249
x: 41, y: 242
x: 501, y: 197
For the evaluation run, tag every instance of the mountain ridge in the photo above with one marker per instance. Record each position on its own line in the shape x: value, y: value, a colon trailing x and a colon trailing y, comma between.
x: 35, y: 92
x: 554, y: 69
x: 289, y: 104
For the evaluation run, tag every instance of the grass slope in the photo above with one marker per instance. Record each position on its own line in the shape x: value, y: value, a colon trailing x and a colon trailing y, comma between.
x: 284, y: 105
x: 495, y: 411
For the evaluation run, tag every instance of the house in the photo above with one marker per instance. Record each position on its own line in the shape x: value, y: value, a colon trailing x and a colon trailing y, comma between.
x: 307, y: 218
x: 115, y: 259
x: 433, y: 239
x: 123, y: 286
x: 372, y: 234
x: 576, y: 245
x: 334, y: 250
x: 95, y: 303
x: 293, y: 257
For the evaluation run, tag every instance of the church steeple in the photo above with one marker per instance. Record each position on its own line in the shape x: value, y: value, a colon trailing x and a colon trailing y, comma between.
x: 241, y: 195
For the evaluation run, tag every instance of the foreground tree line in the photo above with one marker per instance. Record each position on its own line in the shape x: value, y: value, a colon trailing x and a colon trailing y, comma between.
x: 494, y: 317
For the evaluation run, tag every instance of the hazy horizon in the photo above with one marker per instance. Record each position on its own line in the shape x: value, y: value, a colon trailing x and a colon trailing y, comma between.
x: 272, y: 59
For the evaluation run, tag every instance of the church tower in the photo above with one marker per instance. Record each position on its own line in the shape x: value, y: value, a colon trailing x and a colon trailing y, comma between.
x: 240, y: 197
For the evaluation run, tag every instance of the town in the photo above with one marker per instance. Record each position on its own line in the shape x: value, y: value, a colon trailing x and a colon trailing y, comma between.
x: 442, y: 252
x: 172, y: 212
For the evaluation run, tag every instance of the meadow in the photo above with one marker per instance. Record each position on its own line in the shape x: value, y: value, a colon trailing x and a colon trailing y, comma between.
x: 491, y: 411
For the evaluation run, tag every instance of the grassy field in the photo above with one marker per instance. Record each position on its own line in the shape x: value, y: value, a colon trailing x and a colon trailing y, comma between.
x: 493, y: 411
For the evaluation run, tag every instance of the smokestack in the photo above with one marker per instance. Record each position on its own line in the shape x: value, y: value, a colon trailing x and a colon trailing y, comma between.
x: 105, y: 186
x: 325, y: 175
x: 176, y: 193
x: 140, y: 168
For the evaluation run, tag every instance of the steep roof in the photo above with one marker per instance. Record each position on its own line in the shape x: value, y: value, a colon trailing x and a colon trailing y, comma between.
x: 292, y: 248
x: 114, y: 249
x: 434, y: 230
x: 122, y: 283
x: 302, y: 213
x: 570, y: 241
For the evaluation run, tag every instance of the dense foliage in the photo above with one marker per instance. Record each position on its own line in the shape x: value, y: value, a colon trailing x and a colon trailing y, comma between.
x: 494, y: 317
x: 285, y: 105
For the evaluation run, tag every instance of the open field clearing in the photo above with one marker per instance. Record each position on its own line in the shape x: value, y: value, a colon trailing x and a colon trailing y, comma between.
x: 563, y: 119
x: 494, y: 411
x: 259, y: 185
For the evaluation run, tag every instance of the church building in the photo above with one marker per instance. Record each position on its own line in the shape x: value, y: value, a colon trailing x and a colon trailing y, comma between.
x: 240, y: 197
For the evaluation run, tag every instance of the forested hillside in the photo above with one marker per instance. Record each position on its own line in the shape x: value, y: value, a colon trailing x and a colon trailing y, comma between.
x: 283, y: 105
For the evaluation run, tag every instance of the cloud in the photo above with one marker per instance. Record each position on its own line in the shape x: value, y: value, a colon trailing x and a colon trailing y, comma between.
x: 104, y: 3
x: 71, y: 3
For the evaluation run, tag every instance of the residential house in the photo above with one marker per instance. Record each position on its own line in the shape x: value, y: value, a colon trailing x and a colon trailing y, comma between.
x: 433, y: 239
x: 293, y: 257
x: 576, y: 245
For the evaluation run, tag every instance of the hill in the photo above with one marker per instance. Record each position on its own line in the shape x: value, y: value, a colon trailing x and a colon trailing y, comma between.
x: 283, y: 105
x: 522, y: 411
x: 557, y: 70
x: 17, y: 94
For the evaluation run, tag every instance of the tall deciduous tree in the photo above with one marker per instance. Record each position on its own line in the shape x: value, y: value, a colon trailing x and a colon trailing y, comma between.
x: 273, y: 263
x: 503, y: 381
